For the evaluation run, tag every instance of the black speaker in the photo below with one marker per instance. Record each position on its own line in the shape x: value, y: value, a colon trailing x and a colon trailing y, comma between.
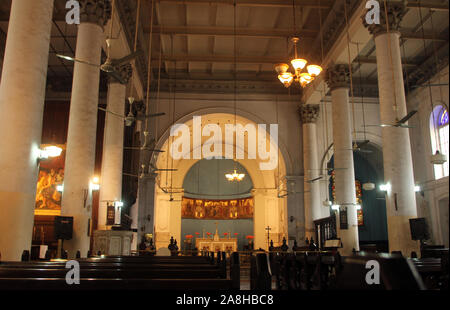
x: 63, y: 227
x: 419, y: 229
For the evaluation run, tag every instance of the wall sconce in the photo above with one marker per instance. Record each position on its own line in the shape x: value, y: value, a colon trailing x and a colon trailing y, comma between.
x: 327, y: 203
x: 385, y: 187
x: 60, y: 188
x: 49, y: 151
x: 417, y: 188
x: 335, y: 207
x: 95, y: 184
x: 369, y: 186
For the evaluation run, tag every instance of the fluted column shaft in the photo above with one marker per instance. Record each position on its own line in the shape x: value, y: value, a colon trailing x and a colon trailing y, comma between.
x: 338, y: 81
x: 309, y: 115
x: 81, y: 137
x: 22, y: 96
x: 397, y: 157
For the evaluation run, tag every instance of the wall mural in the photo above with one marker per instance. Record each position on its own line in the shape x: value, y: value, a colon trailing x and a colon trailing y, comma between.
x: 217, y: 209
x: 359, y: 201
x: 51, y: 174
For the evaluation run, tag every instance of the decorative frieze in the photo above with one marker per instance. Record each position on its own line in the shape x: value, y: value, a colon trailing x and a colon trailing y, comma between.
x: 309, y: 113
x: 395, y: 12
x: 338, y: 76
x: 95, y: 11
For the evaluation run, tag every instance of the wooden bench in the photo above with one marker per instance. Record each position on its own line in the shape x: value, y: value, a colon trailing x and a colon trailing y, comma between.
x: 114, y: 284
x: 304, y: 270
x: 432, y: 272
x: 120, y: 272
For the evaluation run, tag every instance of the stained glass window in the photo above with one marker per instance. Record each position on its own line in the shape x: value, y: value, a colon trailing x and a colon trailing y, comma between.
x: 439, y: 137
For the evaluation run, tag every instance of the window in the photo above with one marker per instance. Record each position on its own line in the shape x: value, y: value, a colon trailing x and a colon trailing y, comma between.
x: 439, y: 137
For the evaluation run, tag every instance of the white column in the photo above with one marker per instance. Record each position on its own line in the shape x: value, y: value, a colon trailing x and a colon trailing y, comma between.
x: 309, y: 115
x: 112, y: 157
x: 295, y: 208
x: 22, y: 95
x: 338, y: 80
x: 397, y: 158
x: 81, y: 137
x: 146, y: 206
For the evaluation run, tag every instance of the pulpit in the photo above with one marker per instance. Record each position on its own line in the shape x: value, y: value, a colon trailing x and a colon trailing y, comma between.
x: 113, y: 242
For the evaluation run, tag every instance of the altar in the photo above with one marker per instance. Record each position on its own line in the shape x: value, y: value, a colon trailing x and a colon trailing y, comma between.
x: 221, y: 244
x: 216, y: 243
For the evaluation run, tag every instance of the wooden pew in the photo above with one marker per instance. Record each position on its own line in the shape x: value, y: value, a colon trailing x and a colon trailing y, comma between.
x: 260, y: 277
x: 432, y: 272
x: 304, y: 270
x: 114, y: 284
x: 395, y: 273
x: 127, y: 272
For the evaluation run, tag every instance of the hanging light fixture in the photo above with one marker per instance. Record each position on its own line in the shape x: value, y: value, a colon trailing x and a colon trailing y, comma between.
x: 234, y: 176
x: 281, y: 70
x: 299, y: 64
x: 303, y: 78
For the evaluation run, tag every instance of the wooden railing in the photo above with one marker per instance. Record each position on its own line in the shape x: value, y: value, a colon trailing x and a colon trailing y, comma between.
x: 325, y: 229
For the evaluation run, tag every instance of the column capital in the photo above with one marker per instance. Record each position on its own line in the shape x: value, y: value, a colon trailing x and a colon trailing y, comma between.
x: 95, y: 11
x: 309, y: 113
x: 124, y: 72
x: 395, y: 12
x: 337, y: 76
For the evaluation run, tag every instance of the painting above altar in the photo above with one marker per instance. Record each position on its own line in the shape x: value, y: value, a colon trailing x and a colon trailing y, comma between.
x: 217, y: 209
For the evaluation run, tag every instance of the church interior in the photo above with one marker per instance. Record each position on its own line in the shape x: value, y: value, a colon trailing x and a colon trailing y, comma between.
x: 224, y: 144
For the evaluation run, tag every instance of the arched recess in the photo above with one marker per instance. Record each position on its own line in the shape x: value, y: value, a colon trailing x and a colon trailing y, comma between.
x: 269, y: 209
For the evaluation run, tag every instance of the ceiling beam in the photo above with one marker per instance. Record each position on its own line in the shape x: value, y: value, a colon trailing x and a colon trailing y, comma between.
x: 222, y: 59
x: 325, y: 4
x: 431, y: 6
x: 229, y: 31
x: 373, y: 60
x: 251, y: 59
x: 406, y: 34
x: 268, y: 33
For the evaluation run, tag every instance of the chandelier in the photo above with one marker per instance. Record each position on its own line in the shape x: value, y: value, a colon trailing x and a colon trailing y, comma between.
x: 304, y: 78
x: 234, y: 176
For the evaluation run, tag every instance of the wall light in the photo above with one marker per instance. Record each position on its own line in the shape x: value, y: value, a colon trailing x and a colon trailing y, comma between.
x: 417, y: 188
x: 60, y: 188
x: 358, y: 207
x: 95, y: 184
x: 118, y: 204
x: 385, y: 187
x: 49, y: 151
x: 335, y: 207
x: 327, y: 203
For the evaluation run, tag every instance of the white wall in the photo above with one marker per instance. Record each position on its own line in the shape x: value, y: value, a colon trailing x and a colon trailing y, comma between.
x: 434, y: 191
